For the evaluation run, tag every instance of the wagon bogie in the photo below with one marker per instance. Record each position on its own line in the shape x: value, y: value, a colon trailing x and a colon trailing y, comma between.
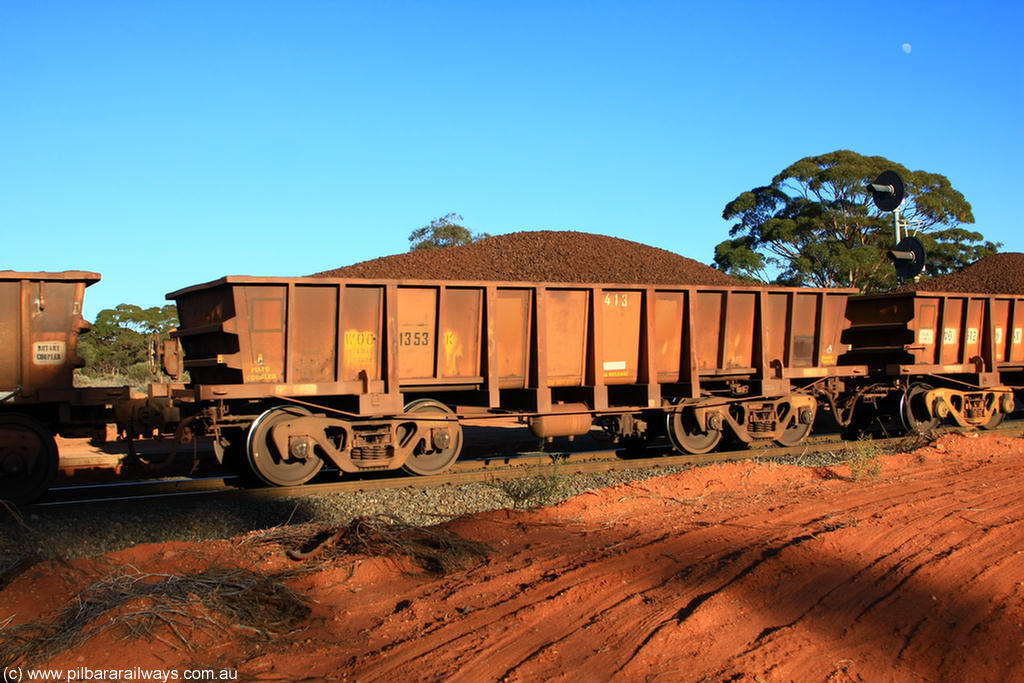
x: 288, y: 444
x: 925, y: 407
x: 698, y: 427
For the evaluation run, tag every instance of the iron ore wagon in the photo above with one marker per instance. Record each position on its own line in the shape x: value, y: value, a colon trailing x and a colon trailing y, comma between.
x: 935, y: 356
x: 290, y: 373
x: 40, y: 320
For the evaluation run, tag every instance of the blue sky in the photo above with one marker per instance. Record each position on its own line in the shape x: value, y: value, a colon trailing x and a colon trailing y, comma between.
x: 164, y: 144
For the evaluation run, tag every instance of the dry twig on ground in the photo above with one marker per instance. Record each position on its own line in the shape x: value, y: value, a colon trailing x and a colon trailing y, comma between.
x: 139, y: 603
x: 436, y: 551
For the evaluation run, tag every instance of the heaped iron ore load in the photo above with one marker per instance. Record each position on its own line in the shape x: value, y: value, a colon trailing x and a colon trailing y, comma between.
x: 994, y: 274
x: 542, y: 256
x: 40, y: 320
x: 368, y: 373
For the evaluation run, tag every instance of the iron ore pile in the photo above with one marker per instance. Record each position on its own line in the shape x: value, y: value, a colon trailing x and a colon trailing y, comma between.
x: 995, y: 274
x: 542, y: 256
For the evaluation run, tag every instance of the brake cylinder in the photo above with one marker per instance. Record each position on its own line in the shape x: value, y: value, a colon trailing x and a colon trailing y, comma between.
x: 569, y: 419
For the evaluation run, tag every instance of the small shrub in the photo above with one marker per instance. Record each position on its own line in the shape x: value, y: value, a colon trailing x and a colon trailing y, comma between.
x: 527, y: 492
x: 866, y: 460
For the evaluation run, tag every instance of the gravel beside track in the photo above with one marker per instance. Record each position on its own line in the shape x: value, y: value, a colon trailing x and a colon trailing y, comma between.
x: 83, y: 531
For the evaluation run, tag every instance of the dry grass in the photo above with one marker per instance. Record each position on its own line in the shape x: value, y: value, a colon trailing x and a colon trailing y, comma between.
x: 434, y: 550
x: 23, y: 549
x: 531, y: 491
x: 137, y: 604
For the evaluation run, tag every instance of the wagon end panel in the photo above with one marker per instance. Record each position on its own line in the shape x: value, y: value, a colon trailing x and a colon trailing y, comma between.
x: 40, y: 321
x: 208, y: 334
x: 880, y: 331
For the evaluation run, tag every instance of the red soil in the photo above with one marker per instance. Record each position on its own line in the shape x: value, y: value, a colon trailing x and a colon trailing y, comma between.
x: 740, y: 572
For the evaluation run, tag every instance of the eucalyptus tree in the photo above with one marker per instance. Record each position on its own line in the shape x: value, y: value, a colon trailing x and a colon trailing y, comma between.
x: 815, y: 224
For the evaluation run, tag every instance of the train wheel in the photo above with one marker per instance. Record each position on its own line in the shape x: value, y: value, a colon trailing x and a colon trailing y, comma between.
x: 994, y: 421
x: 914, y: 412
x: 270, y: 465
x: 438, y: 447
x: 28, y: 459
x: 687, y: 436
x: 797, y: 431
x: 794, y: 434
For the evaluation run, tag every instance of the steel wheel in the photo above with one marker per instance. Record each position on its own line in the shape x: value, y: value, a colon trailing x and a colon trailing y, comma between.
x: 438, y: 444
x: 28, y: 459
x: 994, y: 421
x: 686, y: 436
x: 795, y: 433
x: 914, y: 412
x: 271, y: 466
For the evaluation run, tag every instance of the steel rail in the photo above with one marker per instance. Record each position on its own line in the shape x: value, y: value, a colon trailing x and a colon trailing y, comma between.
x: 493, y: 468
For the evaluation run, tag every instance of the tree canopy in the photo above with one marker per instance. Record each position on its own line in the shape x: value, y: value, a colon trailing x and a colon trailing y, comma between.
x: 122, y: 340
x: 446, y: 231
x: 815, y: 224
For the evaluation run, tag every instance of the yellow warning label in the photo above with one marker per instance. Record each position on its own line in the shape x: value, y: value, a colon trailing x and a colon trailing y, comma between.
x: 452, y: 353
x: 360, y: 349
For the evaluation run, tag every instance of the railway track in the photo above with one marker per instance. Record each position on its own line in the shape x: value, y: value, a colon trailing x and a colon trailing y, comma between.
x: 482, y: 469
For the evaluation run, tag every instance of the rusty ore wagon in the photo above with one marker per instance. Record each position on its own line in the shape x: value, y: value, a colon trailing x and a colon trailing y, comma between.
x: 40, y: 320
x: 290, y: 373
x: 937, y: 356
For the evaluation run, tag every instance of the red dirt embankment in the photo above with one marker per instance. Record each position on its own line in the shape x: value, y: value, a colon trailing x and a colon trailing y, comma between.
x: 741, y: 572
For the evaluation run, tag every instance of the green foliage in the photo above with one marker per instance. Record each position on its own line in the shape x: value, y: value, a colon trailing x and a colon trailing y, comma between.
x: 123, y: 341
x: 815, y: 224
x: 446, y: 231
x: 527, y: 492
x: 866, y: 460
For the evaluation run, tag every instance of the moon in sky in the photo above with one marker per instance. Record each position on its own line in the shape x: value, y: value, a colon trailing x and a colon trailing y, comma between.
x: 906, y: 48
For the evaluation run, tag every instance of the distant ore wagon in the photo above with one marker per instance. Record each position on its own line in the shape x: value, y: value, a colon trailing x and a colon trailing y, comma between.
x: 40, y: 320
